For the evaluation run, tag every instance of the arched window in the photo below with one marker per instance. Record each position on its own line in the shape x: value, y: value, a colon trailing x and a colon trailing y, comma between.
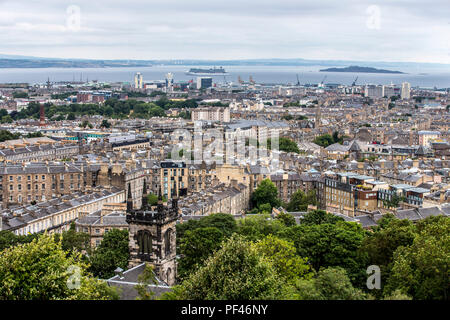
x: 167, y: 241
x: 169, y: 276
x: 144, y: 241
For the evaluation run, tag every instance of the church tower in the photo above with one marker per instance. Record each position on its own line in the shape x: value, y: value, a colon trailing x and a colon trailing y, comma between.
x: 153, y: 237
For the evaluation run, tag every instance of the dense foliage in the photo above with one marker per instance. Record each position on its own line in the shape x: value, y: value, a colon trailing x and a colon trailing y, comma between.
x: 110, y: 254
x: 284, y: 144
x: 112, y: 108
x: 326, y: 139
x: 322, y: 258
x: 42, y: 270
x: 266, y: 192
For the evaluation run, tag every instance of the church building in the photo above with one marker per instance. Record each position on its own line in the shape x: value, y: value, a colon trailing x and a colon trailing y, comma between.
x: 153, y: 236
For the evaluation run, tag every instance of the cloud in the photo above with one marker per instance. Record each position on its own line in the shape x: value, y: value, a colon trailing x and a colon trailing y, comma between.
x: 410, y: 30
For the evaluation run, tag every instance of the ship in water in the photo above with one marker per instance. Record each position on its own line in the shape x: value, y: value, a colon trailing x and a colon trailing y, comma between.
x: 207, y: 72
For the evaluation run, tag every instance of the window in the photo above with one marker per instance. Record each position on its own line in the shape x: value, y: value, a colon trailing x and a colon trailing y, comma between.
x: 43, y: 177
x: 19, y: 187
x: 19, y: 178
x: 43, y: 186
x: 97, y: 231
x: 167, y: 241
x: 144, y: 241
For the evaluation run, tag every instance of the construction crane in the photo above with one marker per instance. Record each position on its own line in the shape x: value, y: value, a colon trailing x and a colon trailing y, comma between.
x: 251, y: 80
x: 240, y: 80
x: 354, y: 82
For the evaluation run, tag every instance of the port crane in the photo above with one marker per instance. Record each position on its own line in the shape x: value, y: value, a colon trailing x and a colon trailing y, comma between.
x: 354, y: 82
x: 298, y: 81
x: 321, y: 82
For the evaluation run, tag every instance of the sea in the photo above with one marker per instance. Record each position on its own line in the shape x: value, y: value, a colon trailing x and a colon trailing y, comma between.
x: 284, y: 75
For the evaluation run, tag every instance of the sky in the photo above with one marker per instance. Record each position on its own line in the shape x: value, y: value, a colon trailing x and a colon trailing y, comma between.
x: 377, y: 30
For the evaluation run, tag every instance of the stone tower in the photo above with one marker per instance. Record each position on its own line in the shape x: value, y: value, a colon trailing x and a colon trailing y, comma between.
x: 153, y: 237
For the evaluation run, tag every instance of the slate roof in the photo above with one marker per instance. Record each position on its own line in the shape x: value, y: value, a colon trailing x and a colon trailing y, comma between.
x: 129, y: 280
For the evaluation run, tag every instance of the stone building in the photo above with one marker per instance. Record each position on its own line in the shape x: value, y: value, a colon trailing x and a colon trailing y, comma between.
x: 42, y: 181
x: 97, y: 224
x: 153, y: 237
x: 39, y: 152
x: 56, y: 215
x: 230, y: 198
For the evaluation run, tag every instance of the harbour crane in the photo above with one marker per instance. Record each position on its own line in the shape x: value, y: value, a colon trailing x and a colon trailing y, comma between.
x: 320, y: 85
x: 354, y: 82
x: 298, y: 81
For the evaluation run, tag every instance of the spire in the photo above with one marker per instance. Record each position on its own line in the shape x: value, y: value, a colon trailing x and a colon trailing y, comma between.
x: 129, y: 199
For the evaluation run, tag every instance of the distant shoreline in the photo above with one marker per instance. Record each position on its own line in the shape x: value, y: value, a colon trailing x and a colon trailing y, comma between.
x: 357, y: 69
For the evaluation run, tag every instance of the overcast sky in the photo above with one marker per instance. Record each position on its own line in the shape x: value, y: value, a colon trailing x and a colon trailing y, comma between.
x: 386, y: 30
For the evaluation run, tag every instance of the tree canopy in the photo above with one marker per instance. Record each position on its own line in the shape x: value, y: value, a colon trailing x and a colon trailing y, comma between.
x: 42, y: 270
x: 266, y: 192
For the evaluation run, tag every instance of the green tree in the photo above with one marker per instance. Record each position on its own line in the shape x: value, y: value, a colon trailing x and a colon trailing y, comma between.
x: 330, y: 284
x: 195, y: 247
x: 42, y: 270
x: 110, y: 254
x: 6, y: 135
x: 421, y: 270
x: 287, y: 219
x: 265, y: 208
x: 259, y: 226
x: 9, y: 239
x: 105, y: 124
x: 331, y: 245
x: 85, y: 124
x: 72, y: 240
x: 326, y: 139
x: 284, y: 144
x: 316, y: 217
x: 20, y: 94
x: 153, y: 199
x: 284, y: 258
x: 266, y: 192
x: 7, y: 119
x: 235, y: 272
x: 71, y: 116
x: 300, y: 201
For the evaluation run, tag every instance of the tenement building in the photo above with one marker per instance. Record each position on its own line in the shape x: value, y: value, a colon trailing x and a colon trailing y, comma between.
x: 57, y: 214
